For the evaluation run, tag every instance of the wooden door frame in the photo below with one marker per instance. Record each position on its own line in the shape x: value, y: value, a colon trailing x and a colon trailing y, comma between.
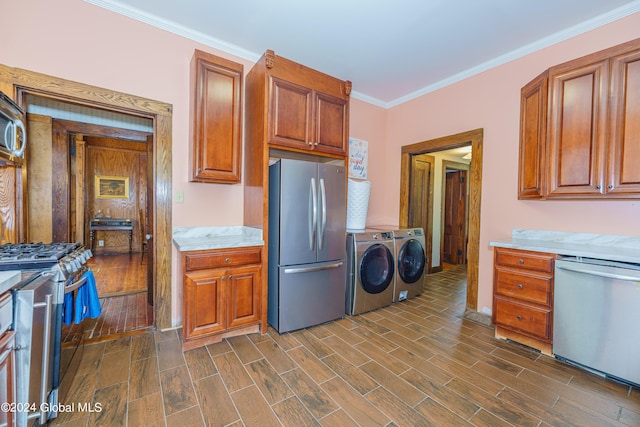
x: 475, y: 137
x: 448, y: 164
x: 16, y: 83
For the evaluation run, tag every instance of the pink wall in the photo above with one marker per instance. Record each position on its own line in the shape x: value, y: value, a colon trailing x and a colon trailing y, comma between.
x: 78, y: 41
x: 491, y: 101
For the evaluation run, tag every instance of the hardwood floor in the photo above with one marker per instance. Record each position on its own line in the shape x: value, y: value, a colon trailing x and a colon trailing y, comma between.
x: 418, y: 362
x: 119, y: 274
x: 122, y: 288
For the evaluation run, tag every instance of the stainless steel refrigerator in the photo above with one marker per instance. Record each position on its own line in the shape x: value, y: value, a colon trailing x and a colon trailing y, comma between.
x: 307, y: 249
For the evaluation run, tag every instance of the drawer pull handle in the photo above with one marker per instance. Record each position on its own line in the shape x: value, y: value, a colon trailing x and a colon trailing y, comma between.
x: 227, y: 260
x: 521, y: 261
x: 520, y: 286
x: 519, y: 317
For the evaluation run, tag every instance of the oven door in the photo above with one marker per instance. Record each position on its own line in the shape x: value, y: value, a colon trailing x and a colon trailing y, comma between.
x: 37, y: 308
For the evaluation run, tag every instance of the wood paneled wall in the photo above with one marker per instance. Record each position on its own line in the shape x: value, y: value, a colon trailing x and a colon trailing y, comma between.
x: 39, y: 184
x: 9, y: 203
x: 111, y: 157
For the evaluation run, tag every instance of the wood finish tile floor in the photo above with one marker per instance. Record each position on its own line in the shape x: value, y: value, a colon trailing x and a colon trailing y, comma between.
x: 415, y: 363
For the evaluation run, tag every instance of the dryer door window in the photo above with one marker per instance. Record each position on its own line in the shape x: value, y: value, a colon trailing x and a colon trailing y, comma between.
x: 411, y: 261
x: 376, y: 269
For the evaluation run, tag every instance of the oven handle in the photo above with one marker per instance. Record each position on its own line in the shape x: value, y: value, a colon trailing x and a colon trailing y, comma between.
x: 46, y: 344
x: 72, y: 287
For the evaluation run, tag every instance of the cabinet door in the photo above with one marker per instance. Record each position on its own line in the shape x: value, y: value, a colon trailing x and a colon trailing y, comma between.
x: 7, y: 377
x: 217, y: 133
x: 243, y: 285
x: 527, y: 319
x: 533, y: 129
x: 577, y: 129
x: 624, y: 146
x: 289, y: 121
x: 331, y: 127
x: 203, y: 306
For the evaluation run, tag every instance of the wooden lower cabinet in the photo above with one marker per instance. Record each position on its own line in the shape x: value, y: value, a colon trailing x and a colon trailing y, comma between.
x: 523, y: 297
x: 222, y: 294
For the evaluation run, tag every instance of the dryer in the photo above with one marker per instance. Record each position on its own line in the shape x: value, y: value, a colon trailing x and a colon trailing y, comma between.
x: 411, y: 261
x: 370, y: 271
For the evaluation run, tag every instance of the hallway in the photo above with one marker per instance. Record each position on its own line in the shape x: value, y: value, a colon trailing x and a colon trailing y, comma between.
x: 122, y: 287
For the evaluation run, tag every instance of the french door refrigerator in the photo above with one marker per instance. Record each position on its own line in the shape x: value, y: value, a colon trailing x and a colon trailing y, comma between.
x: 307, y: 249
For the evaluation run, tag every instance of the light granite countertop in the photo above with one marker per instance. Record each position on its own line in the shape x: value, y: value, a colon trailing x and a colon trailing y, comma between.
x: 202, y: 238
x: 600, y: 246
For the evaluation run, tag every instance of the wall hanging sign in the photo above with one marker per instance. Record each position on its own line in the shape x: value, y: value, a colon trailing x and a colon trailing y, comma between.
x: 358, y: 156
x: 112, y: 187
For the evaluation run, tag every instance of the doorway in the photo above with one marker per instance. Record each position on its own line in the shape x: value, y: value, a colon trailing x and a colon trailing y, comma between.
x: 473, y: 138
x: 453, y: 237
x: 19, y: 83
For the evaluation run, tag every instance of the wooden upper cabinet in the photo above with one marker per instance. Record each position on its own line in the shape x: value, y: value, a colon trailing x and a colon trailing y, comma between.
x: 623, y: 173
x: 216, y: 119
x: 577, y: 121
x: 289, y: 114
x: 330, y: 131
x: 533, y: 127
x: 580, y: 128
x: 307, y: 110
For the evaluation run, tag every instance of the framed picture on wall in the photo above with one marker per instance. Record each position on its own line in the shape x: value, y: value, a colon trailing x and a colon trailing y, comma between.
x: 112, y: 187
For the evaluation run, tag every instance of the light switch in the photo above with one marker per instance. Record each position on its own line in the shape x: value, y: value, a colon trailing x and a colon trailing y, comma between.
x: 179, y: 197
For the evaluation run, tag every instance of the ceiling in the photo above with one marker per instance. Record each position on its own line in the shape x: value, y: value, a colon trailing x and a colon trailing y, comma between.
x: 393, y: 50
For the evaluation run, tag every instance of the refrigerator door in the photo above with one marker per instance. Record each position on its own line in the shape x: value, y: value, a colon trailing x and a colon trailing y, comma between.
x: 298, y: 212
x: 332, y: 212
x: 310, y: 295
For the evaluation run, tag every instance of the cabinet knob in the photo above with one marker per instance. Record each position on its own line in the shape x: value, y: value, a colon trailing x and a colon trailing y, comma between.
x: 223, y: 278
x: 310, y: 142
x: 230, y: 277
x: 315, y: 143
x: 227, y: 260
x: 598, y: 187
x: 520, y: 286
x: 521, y: 261
x: 610, y: 187
x: 519, y: 317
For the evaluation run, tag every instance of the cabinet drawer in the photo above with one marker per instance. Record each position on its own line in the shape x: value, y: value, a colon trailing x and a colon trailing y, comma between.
x: 536, y: 261
x: 524, y: 318
x: 527, y: 287
x: 223, y: 258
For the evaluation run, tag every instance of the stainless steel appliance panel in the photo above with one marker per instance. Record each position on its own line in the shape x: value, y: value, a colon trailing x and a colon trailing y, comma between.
x: 296, y: 209
x: 310, y: 294
x: 596, y: 314
x: 370, y: 271
x: 332, y: 223
x: 411, y: 263
x: 13, y: 136
x: 36, y: 306
x: 307, y: 220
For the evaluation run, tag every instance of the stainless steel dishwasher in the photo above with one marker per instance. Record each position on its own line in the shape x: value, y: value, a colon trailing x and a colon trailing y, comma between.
x: 597, y: 316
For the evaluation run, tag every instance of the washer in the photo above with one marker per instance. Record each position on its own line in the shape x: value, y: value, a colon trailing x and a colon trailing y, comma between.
x: 370, y: 271
x: 410, y: 263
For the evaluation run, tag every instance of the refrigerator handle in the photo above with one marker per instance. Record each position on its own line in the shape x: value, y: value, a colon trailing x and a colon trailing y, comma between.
x: 323, y: 213
x: 313, y: 218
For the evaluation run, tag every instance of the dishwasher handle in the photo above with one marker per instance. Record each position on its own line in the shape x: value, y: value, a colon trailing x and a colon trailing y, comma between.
x: 598, y: 273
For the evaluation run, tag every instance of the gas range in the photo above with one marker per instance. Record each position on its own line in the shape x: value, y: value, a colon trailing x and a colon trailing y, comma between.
x: 40, y: 256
